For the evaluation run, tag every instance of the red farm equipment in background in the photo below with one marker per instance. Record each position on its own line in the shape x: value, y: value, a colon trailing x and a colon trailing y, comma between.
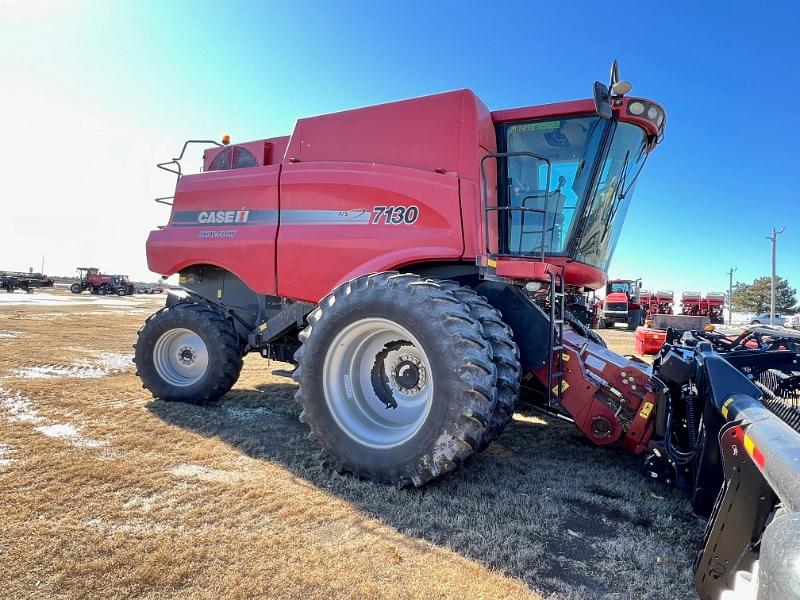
x: 622, y: 304
x: 656, y: 303
x: 90, y: 278
x: 711, y: 305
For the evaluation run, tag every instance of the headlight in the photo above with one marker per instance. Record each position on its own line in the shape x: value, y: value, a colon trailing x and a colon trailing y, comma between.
x: 636, y: 108
x: 652, y: 113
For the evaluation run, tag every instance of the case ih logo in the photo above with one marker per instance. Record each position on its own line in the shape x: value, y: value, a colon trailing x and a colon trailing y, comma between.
x: 223, y: 216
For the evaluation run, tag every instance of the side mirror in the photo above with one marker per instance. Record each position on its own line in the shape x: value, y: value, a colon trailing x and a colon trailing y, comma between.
x: 602, y: 100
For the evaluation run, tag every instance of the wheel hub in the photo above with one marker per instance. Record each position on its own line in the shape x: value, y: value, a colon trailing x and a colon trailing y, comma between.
x: 409, y: 375
x: 187, y: 355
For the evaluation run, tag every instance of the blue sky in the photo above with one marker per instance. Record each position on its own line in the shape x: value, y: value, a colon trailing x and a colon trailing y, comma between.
x: 98, y: 92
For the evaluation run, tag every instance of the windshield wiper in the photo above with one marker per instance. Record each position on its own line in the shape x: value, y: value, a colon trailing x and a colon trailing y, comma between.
x: 618, y: 197
x: 625, y: 190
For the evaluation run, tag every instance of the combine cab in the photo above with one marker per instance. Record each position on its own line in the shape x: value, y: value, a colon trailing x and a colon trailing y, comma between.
x: 711, y: 305
x: 622, y: 304
x: 90, y: 278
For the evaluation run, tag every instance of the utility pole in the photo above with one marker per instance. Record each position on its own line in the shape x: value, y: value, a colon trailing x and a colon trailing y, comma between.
x: 774, y: 239
x: 730, y: 294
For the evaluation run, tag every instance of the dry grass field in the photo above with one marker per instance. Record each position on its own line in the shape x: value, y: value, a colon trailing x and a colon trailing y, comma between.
x: 105, y: 493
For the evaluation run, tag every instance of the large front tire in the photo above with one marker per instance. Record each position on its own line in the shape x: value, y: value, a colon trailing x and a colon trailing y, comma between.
x: 189, y: 353
x: 396, y: 378
x: 505, y: 357
x: 76, y: 288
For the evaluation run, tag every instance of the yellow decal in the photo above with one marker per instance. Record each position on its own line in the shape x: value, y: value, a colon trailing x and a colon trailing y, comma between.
x: 219, y: 293
x: 748, y: 444
x: 564, y: 356
x: 724, y: 409
x: 182, y: 279
x: 491, y: 262
x: 262, y: 327
x: 564, y: 386
x: 647, y: 408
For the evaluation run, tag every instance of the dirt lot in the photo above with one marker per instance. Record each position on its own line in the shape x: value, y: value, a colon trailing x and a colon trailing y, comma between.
x: 106, y: 493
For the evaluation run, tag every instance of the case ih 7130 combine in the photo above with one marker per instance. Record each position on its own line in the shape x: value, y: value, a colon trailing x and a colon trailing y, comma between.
x: 422, y: 260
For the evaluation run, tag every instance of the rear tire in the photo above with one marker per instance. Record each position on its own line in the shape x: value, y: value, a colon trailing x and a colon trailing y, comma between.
x: 121, y: 292
x: 375, y: 415
x: 188, y: 352
x: 634, y: 318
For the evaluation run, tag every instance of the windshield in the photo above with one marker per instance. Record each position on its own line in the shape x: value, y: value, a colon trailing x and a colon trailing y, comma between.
x: 612, y: 195
x: 568, y: 223
x: 624, y: 287
x: 571, y: 145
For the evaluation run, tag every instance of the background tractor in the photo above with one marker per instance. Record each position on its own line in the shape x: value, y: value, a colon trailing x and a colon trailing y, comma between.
x: 622, y: 304
x: 90, y: 278
x: 422, y: 264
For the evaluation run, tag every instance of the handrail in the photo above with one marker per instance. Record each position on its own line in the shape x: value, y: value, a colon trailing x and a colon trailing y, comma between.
x: 178, y: 171
x: 509, y: 209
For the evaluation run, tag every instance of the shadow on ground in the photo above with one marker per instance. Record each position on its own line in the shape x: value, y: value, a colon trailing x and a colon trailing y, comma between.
x: 540, y: 504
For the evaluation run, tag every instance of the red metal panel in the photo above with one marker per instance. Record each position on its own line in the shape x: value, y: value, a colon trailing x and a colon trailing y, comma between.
x: 246, y: 248
x: 422, y: 133
x: 330, y: 230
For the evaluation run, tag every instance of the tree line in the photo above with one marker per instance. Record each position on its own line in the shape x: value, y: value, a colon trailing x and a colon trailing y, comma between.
x: 755, y: 297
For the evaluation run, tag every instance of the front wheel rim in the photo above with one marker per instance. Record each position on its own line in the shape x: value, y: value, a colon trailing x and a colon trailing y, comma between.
x: 378, y: 383
x: 180, y: 357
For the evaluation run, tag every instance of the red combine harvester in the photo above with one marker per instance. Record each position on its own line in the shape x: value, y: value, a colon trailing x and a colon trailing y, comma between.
x: 656, y: 303
x: 622, y: 304
x: 711, y: 305
x: 90, y: 278
x: 419, y: 262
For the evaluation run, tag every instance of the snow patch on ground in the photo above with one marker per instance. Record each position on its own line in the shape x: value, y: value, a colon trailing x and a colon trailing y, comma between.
x: 49, y: 299
x: 70, y: 432
x: 104, y: 363
x: 53, y: 371
x: 5, y: 453
x: 8, y: 335
x: 18, y: 407
x: 206, y: 473
x: 113, y: 362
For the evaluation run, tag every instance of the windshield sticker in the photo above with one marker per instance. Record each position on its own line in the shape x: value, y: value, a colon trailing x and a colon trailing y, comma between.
x: 542, y: 126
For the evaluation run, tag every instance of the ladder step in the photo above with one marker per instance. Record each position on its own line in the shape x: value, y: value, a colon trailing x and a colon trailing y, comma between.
x: 559, y: 321
x: 558, y: 348
x: 556, y: 374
